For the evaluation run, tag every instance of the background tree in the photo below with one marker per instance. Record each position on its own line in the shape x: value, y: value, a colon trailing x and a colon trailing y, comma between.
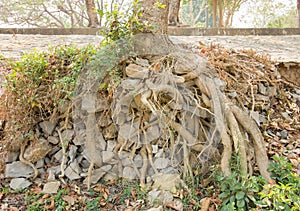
x: 269, y: 13
x: 91, y: 12
x: 193, y: 12
x: 298, y: 8
x: 174, y: 12
x: 224, y: 10
x: 56, y: 13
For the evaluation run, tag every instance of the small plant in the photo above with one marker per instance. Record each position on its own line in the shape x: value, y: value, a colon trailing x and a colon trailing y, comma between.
x: 39, y: 82
x: 284, y: 195
x: 41, y: 201
x: 251, y: 193
x: 237, y: 192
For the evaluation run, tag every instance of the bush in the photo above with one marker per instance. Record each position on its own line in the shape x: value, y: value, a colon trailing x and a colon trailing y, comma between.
x: 253, y: 193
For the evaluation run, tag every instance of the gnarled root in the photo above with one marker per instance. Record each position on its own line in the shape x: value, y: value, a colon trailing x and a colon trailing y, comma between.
x: 26, y: 162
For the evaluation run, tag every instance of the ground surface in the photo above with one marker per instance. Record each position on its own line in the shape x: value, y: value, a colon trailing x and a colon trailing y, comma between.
x: 281, y: 48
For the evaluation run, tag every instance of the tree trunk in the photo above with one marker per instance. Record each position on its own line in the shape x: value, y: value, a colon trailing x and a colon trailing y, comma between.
x: 91, y: 12
x: 174, y: 12
x: 298, y: 7
x: 220, y: 5
x: 214, y: 10
x: 155, y: 13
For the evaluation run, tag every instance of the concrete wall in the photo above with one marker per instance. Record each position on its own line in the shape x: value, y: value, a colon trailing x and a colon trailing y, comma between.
x: 177, y: 31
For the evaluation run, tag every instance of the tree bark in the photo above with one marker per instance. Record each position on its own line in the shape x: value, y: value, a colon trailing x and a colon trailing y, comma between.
x: 174, y: 12
x: 156, y: 13
x: 220, y: 5
x: 214, y: 10
x: 298, y: 7
x: 91, y: 12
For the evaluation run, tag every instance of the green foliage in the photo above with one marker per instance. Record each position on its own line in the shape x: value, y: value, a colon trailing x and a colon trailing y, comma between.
x: 252, y: 193
x: 237, y: 192
x: 116, y: 45
x: 120, y: 25
x: 38, y: 202
x: 284, y: 195
x: 273, y: 14
x: 160, y: 5
x: 41, y: 81
x: 286, y: 20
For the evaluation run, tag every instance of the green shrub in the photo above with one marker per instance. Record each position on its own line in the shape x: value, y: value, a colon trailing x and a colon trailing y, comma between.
x: 39, y: 82
x: 253, y: 193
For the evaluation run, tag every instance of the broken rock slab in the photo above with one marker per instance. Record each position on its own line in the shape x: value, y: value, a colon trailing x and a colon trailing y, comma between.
x: 19, y: 183
x: 17, y: 169
x: 51, y: 187
x: 48, y: 127
x: 97, y: 174
x: 168, y: 182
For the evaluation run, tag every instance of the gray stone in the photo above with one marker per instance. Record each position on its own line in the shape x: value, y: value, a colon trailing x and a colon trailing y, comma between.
x: 85, y: 163
x: 142, y: 62
x: 53, y: 140
x: 12, y: 156
x: 232, y: 94
x: 110, y: 132
x: 63, y: 106
x: 86, y: 155
x: 262, y: 89
x: 272, y: 91
x: 169, y: 182
x: 67, y: 135
x: 58, y: 156
x: 169, y: 170
x: 153, y: 133
x: 220, y: 83
x: 51, y: 187
x: 122, y: 155
x: 129, y: 173
x: 73, y: 171
x: 153, y: 195
x: 111, y: 145
x: 40, y: 163
x: 107, y: 156
x: 37, y: 151
x: 284, y: 134
x: 54, y: 150
x: 55, y: 169
x: 17, y: 169
x: 97, y: 174
x: 72, y: 152
x: 154, y: 149
x: 286, y: 116
x: 270, y: 133
x: 51, y: 175
x: 159, y: 208
x: 126, y: 162
x: 160, y: 196
x: 48, y: 127
x: 88, y: 103
x: 136, y: 71
x: 255, y: 116
x: 159, y: 154
x: 161, y: 163
x: 138, y: 161
x: 262, y: 119
x: 112, y: 174
x: 19, y: 184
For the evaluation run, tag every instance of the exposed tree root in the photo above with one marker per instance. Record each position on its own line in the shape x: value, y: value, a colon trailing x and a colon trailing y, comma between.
x: 26, y: 162
x: 180, y: 108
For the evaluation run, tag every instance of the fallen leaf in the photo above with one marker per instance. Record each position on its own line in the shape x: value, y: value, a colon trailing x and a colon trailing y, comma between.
x: 51, y: 206
x: 12, y: 209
